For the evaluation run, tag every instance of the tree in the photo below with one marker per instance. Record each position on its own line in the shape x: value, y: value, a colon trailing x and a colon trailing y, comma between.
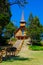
x: 21, y: 3
x: 9, y: 30
x: 34, y: 29
x: 5, y: 15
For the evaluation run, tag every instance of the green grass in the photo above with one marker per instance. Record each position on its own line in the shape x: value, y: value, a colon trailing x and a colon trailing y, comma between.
x: 32, y: 58
x: 26, y: 57
x: 34, y: 47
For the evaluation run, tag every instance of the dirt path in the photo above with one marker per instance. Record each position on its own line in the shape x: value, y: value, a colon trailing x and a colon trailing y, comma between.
x: 25, y: 52
x: 35, y: 56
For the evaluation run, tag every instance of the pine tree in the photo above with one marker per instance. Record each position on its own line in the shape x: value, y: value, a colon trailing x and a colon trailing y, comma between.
x: 34, y: 29
x: 5, y: 15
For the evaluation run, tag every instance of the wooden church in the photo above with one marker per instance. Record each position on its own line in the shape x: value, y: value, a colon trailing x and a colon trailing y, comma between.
x: 21, y: 31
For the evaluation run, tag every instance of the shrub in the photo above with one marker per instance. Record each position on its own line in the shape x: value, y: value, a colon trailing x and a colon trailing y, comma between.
x: 35, y: 47
x: 13, y: 39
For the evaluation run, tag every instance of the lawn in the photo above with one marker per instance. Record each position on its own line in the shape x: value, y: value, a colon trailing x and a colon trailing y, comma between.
x: 25, y: 57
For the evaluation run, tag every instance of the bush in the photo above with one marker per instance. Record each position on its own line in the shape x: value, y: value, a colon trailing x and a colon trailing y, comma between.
x: 13, y: 39
x: 35, y: 47
x: 35, y: 42
x: 41, y: 43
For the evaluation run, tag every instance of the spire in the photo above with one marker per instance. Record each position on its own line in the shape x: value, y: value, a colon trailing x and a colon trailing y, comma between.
x: 22, y: 18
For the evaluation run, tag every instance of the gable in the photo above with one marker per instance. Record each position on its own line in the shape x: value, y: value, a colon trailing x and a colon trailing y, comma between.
x: 19, y: 33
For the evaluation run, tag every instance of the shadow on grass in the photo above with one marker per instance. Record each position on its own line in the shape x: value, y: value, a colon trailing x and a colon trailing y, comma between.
x: 16, y: 58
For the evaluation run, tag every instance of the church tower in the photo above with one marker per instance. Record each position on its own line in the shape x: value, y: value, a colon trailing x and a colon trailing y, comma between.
x: 21, y: 31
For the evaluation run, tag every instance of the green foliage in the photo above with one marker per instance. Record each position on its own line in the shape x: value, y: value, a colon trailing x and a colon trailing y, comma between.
x: 9, y: 30
x: 34, y: 29
x: 5, y: 15
x: 36, y: 48
x: 13, y: 39
x: 11, y: 27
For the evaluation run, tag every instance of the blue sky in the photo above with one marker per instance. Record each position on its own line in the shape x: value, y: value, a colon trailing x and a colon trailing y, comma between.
x: 34, y: 6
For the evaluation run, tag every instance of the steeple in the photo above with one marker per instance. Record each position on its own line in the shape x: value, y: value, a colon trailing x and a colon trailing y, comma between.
x: 22, y: 22
x: 22, y: 18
